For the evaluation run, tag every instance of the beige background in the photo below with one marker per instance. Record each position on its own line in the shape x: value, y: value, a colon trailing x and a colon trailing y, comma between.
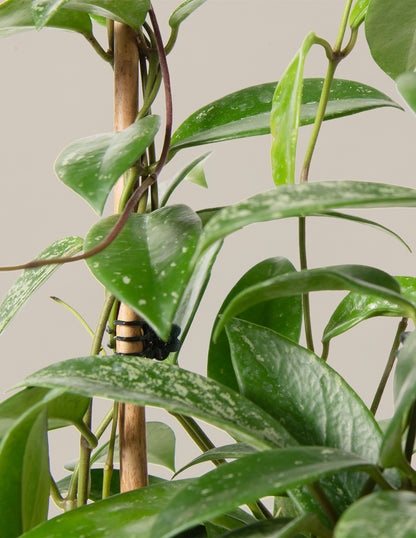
x: 54, y: 89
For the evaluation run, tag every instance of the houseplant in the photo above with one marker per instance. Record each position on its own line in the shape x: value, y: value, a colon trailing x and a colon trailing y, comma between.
x: 325, y: 479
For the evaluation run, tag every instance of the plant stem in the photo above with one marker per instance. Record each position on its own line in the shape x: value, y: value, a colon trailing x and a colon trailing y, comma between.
x: 389, y: 366
x: 56, y: 494
x: 323, y: 501
x: 107, y: 56
x: 343, y: 26
x: 108, y: 467
x: 411, y: 434
x: 76, y: 314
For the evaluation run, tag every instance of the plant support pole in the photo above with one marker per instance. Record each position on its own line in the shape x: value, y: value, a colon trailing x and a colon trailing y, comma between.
x: 132, y: 425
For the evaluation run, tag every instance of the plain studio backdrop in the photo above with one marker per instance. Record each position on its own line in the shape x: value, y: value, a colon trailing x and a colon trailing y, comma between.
x: 55, y: 89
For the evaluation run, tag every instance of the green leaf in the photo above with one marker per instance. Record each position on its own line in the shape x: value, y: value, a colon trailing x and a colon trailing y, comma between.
x: 194, y: 172
x: 127, y: 515
x: 285, y: 116
x: 283, y: 315
x: 383, y: 514
x: 358, y: 13
x: 132, y: 13
x: 280, y: 527
x: 357, y: 307
x: 16, y: 16
x: 247, y: 112
x: 391, y: 454
x: 183, y: 11
x: 359, y: 278
x: 248, y: 479
x: 147, y: 266
x: 302, y: 392
x: 406, y: 84
x: 91, y: 166
x: 145, y: 382
x: 30, y: 280
x: 390, y: 28
x: 302, y: 200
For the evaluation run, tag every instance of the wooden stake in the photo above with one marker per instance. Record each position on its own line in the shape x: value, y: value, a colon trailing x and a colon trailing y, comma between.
x: 132, y: 424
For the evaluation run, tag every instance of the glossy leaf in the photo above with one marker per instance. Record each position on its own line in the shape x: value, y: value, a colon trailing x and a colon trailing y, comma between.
x: 91, y: 166
x: 126, y: 515
x: 405, y: 396
x: 194, y: 172
x: 283, y: 315
x: 248, y: 479
x: 358, y: 13
x: 303, y: 200
x: 16, y: 16
x: 183, y: 11
x: 147, y: 266
x: 145, y: 382
x: 359, y: 278
x: 383, y: 514
x: 132, y: 13
x: 247, y: 112
x: 357, y: 307
x: 236, y: 450
x: 30, y: 280
x: 285, y: 116
x: 390, y: 28
x: 280, y: 528
x: 406, y: 83
x: 297, y: 388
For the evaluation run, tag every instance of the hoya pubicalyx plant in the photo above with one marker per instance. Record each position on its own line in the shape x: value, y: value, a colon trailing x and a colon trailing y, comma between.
x: 300, y: 434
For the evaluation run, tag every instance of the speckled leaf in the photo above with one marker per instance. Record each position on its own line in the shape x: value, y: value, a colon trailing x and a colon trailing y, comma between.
x: 91, y: 166
x: 283, y: 315
x: 404, y: 397
x: 248, y: 479
x: 127, y: 515
x: 358, y: 13
x: 380, y: 515
x: 406, y: 83
x: 30, y: 280
x: 16, y: 16
x: 312, y: 401
x: 194, y: 172
x: 237, y: 450
x: 145, y: 382
x: 131, y: 12
x: 390, y: 28
x: 356, y: 307
x: 285, y: 116
x: 303, y: 200
x: 359, y: 278
x: 247, y: 112
x: 147, y: 266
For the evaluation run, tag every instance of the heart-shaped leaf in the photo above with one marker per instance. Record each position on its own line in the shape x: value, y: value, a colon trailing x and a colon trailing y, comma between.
x: 282, y: 315
x: 91, y: 166
x: 247, y: 112
x: 147, y: 266
x: 29, y: 281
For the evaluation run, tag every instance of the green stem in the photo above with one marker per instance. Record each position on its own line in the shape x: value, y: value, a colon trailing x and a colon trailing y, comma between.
x: 56, y: 494
x: 389, y: 366
x: 76, y: 314
x: 325, y: 350
x: 411, y: 434
x: 343, y: 26
x: 108, y: 467
x: 305, y: 297
x: 84, y: 463
x: 101, y: 324
x: 321, y: 497
x: 107, y: 56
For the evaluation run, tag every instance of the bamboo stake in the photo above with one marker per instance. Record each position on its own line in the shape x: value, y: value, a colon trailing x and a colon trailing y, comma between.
x: 132, y: 425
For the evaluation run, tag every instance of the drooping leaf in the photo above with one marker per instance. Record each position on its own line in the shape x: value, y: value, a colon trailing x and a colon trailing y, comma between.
x: 406, y: 83
x: 358, y: 13
x: 91, y: 166
x: 248, y: 479
x: 390, y: 28
x: 359, y: 278
x: 16, y: 16
x: 302, y: 200
x: 283, y: 315
x: 194, y: 172
x: 145, y: 382
x: 183, y: 11
x: 357, y: 307
x: 30, y: 280
x: 391, y: 454
x: 126, y: 515
x: 285, y: 116
x: 132, y: 13
x: 312, y: 401
x: 147, y: 266
x: 247, y: 112
x: 383, y: 514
